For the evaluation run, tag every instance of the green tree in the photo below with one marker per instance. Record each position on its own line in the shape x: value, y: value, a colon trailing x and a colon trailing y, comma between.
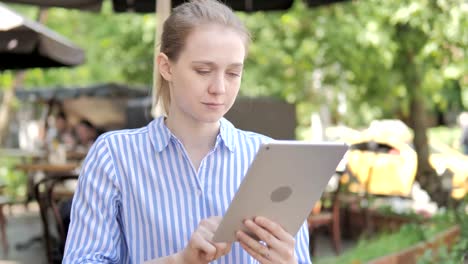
x: 388, y: 58
x: 384, y: 59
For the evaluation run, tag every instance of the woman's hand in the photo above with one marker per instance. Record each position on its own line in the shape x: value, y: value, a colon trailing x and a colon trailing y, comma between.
x: 200, y: 249
x: 278, y: 246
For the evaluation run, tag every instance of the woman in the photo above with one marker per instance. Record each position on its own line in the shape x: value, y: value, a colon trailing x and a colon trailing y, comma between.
x: 156, y: 194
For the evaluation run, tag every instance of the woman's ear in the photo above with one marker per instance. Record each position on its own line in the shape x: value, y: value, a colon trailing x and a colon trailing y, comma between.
x: 164, y: 66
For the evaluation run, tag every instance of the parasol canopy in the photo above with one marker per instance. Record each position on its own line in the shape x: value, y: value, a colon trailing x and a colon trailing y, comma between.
x: 28, y: 44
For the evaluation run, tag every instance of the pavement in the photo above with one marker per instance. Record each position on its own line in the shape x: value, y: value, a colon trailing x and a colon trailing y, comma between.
x: 324, y: 246
x: 22, y: 226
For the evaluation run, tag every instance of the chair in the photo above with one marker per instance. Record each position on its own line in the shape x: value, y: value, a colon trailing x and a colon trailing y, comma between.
x: 327, y: 218
x: 48, y: 197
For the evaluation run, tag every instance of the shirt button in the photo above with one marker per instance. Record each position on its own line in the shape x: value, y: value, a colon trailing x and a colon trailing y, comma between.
x: 199, y: 193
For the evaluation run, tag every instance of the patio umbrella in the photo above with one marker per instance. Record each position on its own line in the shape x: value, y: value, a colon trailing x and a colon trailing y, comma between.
x: 315, y: 3
x: 92, y: 5
x: 147, y: 6
x: 28, y: 44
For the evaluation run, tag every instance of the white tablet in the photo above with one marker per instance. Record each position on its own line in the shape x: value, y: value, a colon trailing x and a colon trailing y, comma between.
x: 283, y: 183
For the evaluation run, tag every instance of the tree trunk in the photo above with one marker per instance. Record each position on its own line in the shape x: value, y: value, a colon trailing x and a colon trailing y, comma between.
x: 6, y: 108
x: 412, y: 72
x: 426, y: 175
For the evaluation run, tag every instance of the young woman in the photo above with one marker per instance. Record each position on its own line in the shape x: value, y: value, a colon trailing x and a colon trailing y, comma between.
x: 156, y: 194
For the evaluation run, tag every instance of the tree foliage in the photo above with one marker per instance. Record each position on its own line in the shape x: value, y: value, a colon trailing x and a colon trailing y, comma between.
x: 301, y: 55
x: 364, y: 59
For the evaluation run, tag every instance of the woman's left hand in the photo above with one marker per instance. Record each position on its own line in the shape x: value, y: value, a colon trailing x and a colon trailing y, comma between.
x: 278, y: 246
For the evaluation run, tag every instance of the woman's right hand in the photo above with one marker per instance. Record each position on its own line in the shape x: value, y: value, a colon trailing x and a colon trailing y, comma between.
x: 200, y: 249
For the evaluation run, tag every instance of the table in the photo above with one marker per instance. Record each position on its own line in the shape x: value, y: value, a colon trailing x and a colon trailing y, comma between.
x: 54, y: 173
x: 21, y: 153
x: 48, y: 168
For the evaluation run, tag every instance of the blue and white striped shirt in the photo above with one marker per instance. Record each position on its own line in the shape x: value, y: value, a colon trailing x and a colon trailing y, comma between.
x: 139, y: 197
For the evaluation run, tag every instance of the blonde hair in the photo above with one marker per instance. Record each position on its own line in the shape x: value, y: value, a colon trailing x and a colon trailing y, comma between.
x: 182, y: 21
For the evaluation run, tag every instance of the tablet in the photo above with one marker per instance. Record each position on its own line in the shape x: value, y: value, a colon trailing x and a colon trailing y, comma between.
x: 283, y: 183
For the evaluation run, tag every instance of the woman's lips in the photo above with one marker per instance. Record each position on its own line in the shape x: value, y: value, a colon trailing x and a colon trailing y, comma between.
x: 214, y: 105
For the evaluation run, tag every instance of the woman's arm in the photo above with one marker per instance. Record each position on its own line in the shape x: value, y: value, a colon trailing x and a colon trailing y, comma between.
x: 94, y: 235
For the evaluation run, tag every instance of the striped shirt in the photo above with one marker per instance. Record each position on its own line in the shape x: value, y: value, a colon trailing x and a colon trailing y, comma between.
x: 139, y: 197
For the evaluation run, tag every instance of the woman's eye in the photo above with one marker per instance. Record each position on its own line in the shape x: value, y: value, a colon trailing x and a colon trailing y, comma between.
x: 233, y: 74
x: 202, y: 72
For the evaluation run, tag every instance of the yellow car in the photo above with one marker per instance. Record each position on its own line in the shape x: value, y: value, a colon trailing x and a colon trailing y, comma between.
x: 383, y: 164
x: 381, y: 167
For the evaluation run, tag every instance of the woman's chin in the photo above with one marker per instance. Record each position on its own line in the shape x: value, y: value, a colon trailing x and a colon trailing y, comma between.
x: 210, y: 117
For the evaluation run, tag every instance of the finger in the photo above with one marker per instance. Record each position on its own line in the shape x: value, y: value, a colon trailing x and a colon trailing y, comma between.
x: 205, y: 229
x: 211, y: 223
x: 216, y: 219
x: 200, y: 243
x: 274, y: 229
x: 262, y: 258
x: 263, y: 234
x: 222, y: 249
x: 252, y: 243
x: 205, y: 232
x: 285, y: 243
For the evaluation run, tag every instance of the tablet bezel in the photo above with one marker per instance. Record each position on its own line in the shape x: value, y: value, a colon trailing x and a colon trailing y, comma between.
x: 304, y: 167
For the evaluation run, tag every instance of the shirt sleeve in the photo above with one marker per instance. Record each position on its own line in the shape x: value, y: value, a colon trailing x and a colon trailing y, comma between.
x: 302, y: 245
x: 94, y: 235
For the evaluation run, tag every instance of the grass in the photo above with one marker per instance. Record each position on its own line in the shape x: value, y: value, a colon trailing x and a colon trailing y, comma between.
x: 387, y: 243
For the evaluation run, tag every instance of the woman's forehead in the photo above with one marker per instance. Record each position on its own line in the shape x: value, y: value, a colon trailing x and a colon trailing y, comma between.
x: 215, y: 44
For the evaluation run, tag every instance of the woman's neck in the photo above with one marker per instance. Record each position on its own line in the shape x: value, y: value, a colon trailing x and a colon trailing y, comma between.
x: 195, y: 136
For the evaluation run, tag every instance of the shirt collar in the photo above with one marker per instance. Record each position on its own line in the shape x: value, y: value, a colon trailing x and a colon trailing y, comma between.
x: 227, y: 131
x: 160, y: 135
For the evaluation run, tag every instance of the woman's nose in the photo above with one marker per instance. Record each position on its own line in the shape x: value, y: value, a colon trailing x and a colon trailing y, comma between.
x: 218, y: 85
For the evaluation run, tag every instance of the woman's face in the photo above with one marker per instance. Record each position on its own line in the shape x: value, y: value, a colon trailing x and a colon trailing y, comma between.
x: 205, y: 79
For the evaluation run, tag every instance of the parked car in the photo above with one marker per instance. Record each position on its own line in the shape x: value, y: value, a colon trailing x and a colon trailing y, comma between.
x: 383, y: 161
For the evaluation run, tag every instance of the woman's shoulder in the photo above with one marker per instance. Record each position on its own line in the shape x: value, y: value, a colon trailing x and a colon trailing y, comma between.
x: 120, y: 134
x: 253, y: 135
x: 242, y: 134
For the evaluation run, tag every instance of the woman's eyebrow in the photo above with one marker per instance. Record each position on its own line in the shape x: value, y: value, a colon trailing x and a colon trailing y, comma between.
x: 240, y: 65
x: 210, y: 63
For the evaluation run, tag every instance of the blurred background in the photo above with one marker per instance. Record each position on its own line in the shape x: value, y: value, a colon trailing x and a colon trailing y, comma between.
x: 390, y: 78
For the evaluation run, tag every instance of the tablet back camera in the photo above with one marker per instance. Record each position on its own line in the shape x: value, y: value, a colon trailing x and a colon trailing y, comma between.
x: 280, y: 194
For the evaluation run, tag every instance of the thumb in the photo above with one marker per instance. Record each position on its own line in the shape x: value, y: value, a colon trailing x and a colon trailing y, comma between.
x: 222, y: 249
